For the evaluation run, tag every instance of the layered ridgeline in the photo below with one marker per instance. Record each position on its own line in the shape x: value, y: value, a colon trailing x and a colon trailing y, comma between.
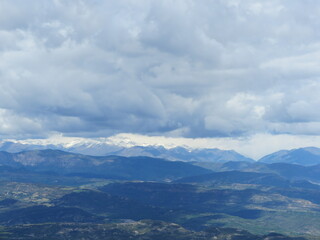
x: 183, y: 154
x: 110, y: 197
x: 303, y: 156
x: 103, y: 149
x: 113, y: 167
x: 285, y: 170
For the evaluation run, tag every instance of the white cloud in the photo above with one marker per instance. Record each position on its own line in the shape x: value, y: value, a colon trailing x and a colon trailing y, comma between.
x: 194, y: 68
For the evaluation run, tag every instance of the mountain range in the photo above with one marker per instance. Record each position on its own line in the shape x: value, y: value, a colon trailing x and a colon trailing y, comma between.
x: 114, y: 167
x: 303, y: 156
x: 102, y: 149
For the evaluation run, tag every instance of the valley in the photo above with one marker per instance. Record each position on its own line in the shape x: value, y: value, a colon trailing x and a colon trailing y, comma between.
x: 70, y: 194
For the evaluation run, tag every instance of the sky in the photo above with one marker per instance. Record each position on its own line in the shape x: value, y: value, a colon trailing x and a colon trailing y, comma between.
x: 210, y: 71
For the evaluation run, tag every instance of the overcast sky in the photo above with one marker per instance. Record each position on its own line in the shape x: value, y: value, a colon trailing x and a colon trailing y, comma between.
x: 209, y: 69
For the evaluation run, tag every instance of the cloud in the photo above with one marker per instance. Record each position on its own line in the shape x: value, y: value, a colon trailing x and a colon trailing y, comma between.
x: 193, y: 69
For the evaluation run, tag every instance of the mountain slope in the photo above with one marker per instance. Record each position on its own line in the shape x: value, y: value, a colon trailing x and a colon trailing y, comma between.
x: 115, y: 207
x: 303, y: 156
x: 130, y: 168
x: 296, y: 172
x: 142, y: 230
x: 237, y: 177
x: 42, y: 214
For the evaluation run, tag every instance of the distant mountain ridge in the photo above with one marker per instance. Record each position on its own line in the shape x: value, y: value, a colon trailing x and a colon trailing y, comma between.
x: 183, y: 154
x: 103, y: 149
x: 126, y: 168
x: 307, y: 156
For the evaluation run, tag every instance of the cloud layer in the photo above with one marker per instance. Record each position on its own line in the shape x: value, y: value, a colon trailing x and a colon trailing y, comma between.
x: 211, y: 68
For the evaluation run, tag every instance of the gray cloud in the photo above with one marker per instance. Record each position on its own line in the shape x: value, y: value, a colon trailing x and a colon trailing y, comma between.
x: 192, y: 68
